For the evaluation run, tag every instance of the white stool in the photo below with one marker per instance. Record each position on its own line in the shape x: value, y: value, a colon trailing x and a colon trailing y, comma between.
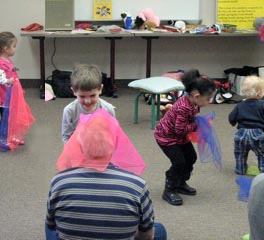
x: 154, y: 86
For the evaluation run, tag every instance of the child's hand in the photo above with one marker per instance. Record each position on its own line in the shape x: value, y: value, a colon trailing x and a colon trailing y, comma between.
x: 10, y: 81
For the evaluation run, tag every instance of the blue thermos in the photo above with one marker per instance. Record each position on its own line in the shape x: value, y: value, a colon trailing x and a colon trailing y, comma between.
x: 128, y: 23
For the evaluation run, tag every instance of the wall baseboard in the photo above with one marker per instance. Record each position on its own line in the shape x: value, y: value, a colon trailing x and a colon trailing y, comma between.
x: 35, y: 83
x: 123, y: 82
x: 30, y: 83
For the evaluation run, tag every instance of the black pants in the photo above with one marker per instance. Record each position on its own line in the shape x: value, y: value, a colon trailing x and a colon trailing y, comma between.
x: 182, y: 159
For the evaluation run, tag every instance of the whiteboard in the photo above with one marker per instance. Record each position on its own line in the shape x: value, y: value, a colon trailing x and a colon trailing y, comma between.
x: 164, y: 9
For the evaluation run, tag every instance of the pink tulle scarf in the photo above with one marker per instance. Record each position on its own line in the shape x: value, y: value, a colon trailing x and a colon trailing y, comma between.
x: 20, y: 116
x: 97, y: 141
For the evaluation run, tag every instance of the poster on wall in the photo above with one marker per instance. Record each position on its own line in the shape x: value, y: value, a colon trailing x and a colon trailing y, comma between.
x: 102, y: 9
x: 241, y: 13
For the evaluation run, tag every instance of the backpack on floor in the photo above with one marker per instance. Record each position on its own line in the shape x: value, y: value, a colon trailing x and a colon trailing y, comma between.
x: 61, y: 84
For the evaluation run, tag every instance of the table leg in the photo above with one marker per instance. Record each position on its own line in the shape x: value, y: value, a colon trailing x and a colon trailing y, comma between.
x: 112, y: 63
x: 158, y: 107
x: 42, y: 65
x: 153, y: 115
x: 148, y: 55
x: 136, y: 107
x: 148, y: 60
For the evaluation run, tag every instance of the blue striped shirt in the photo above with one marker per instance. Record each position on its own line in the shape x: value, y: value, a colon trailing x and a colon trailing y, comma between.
x: 87, y: 204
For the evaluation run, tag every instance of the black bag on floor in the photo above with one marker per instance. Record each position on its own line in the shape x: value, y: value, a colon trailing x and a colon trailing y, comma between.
x: 108, y: 88
x: 244, y: 71
x: 61, y: 84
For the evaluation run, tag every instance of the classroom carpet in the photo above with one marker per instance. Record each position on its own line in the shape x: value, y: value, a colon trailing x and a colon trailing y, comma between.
x: 214, y: 213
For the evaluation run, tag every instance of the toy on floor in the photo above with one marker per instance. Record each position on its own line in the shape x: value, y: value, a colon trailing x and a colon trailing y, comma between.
x: 246, y: 237
x: 164, y: 98
x: 165, y: 108
x: 223, y: 93
x: 252, y: 171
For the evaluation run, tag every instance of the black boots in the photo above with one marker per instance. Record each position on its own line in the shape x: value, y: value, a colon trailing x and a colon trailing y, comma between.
x: 172, y: 189
x: 170, y: 195
x: 185, y: 189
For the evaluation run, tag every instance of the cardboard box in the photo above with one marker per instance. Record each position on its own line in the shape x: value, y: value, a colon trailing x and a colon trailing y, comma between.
x: 236, y: 82
x: 261, y: 72
x: 231, y: 79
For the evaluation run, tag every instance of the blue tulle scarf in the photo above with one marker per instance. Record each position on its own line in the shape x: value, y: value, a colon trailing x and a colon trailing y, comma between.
x: 209, y: 148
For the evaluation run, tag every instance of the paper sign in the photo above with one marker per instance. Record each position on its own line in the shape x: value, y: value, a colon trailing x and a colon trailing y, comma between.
x: 241, y: 13
x: 102, y: 9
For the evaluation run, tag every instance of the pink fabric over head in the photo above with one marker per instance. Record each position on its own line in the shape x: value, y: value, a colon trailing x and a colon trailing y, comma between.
x: 97, y: 141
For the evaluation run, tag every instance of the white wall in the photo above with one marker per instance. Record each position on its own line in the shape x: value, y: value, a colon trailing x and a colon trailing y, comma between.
x: 14, y: 15
x: 166, y: 9
x: 210, y: 55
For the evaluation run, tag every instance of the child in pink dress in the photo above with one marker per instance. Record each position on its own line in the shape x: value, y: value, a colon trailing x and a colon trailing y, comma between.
x: 15, y: 114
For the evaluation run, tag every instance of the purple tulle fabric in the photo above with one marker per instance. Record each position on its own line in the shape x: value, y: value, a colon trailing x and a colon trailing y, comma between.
x: 209, y: 148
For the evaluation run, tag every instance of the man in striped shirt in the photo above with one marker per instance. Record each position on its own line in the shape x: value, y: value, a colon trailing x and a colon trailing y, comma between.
x: 93, y: 198
x: 87, y: 204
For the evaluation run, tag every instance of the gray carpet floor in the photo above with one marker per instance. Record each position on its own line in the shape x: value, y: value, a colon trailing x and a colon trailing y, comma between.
x: 213, y: 214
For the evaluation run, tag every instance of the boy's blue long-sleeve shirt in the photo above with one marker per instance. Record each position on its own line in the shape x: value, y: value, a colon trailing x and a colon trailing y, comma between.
x: 248, y: 114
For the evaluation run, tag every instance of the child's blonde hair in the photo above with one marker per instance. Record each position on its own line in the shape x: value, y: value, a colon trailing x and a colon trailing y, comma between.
x: 6, y: 39
x: 86, y: 77
x: 253, y: 86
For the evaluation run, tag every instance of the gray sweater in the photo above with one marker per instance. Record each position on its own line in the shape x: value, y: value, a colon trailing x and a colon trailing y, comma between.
x: 256, y: 208
x: 71, y: 114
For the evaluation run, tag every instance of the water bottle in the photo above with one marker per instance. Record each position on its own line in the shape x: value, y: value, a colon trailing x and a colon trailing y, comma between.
x: 128, y: 23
